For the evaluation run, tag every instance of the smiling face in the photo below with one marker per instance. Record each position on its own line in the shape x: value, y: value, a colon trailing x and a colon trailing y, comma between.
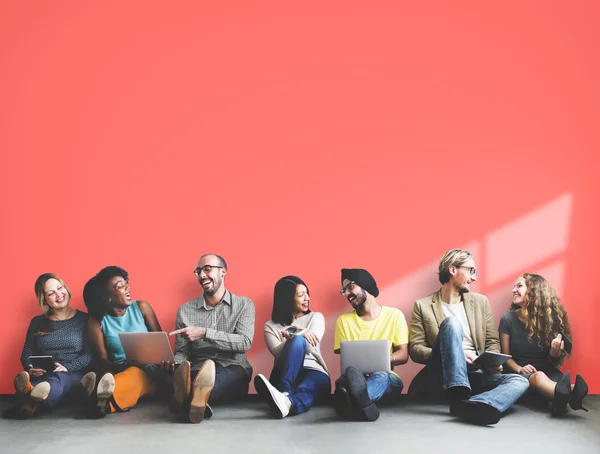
x: 56, y: 295
x: 119, y: 292
x: 463, y: 276
x: 301, y: 300
x: 355, y: 294
x: 518, y: 291
x: 210, y: 274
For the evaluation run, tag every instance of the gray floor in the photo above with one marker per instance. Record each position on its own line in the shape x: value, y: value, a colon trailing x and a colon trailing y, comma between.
x: 248, y: 428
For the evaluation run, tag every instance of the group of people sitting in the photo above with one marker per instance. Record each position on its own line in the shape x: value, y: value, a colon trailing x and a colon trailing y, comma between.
x: 449, y: 329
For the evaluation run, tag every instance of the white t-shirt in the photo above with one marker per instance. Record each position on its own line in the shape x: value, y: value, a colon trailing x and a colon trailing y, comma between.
x: 458, y: 310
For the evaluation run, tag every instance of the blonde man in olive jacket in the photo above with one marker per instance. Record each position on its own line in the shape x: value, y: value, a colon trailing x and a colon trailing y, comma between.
x: 449, y: 329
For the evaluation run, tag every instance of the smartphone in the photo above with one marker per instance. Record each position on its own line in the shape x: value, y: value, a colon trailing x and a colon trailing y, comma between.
x: 293, y: 331
x: 568, y: 343
x: 42, y: 362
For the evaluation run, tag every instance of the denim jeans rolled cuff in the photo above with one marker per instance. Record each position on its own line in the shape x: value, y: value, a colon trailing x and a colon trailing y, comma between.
x: 500, y: 390
x: 61, y: 384
x: 384, y: 386
x: 447, y: 364
x: 381, y: 386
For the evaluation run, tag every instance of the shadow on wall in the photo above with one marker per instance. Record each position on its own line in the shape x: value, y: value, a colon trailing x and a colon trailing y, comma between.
x: 534, y: 243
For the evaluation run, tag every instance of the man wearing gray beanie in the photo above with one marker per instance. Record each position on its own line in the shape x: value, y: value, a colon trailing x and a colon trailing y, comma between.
x: 356, y: 394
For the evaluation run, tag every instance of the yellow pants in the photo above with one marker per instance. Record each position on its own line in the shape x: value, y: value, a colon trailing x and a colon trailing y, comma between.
x: 130, y: 385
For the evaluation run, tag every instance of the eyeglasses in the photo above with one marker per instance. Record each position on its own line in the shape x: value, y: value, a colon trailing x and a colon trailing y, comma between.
x: 206, y: 268
x: 471, y: 269
x: 347, y: 288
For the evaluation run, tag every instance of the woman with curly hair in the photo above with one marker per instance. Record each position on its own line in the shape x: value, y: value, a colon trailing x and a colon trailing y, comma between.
x: 535, y: 331
x: 112, y: 311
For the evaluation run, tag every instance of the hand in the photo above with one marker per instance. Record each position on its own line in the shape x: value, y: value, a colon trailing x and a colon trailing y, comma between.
x: 310, y: 337
x: 495, y: 369
x: 286, y: 335
x: 557, y: 346
x: 471, y: 365
x: 36, y: 372
x: 60, y: 368
x: 528, y: 369
x: 190, y: 333
x: 167, y: 367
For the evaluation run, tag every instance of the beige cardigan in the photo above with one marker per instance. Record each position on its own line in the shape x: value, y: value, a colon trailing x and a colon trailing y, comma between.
x: 313, y: 321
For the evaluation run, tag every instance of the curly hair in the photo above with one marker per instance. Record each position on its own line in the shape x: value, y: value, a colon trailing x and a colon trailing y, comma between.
x: 95, y: 291
x: 542, y: 311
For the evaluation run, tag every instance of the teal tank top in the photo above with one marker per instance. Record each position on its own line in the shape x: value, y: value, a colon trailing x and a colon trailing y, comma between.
x: 132, y: 321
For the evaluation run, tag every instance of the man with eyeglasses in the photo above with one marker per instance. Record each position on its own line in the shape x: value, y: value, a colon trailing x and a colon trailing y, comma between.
x: 214, y: 331
x: 356, y: 394
x: 449, y: 329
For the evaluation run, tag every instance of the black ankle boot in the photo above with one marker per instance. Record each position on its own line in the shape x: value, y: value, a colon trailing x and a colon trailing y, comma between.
x: 562, y: 393
x: 359, y: 396
x: 580, y: 390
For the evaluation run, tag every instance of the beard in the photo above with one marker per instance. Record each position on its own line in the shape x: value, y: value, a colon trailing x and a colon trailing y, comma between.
x: 216, y: 285
x: 359, y: 303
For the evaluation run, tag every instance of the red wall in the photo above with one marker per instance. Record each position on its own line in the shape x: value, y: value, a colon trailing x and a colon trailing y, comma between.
x: 299, y: 140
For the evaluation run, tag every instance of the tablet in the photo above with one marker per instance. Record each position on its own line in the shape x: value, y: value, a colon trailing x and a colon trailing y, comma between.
x: 147, y: 348
x: 491, y: 359
x: 42, y: 362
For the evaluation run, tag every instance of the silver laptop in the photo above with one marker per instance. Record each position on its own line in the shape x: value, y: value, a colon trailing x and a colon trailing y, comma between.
x: 147, y: 348
x: 367, y: 356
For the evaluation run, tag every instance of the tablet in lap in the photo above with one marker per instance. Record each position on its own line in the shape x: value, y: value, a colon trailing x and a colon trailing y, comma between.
x: 491, y: 359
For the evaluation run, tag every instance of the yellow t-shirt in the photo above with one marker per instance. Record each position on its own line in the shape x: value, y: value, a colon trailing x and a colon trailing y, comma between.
x: 390, y: 324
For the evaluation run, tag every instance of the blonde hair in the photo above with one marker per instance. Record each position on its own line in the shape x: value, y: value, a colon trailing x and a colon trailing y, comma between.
x: 40, y: 282
x: 542, y: 311
x: 454, y: 257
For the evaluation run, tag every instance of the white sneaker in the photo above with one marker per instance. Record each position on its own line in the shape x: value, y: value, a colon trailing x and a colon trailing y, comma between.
x: 278, y: 401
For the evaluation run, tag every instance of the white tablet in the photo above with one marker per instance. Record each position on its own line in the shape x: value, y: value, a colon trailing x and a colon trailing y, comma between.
x: 367, y: 356
x: 147, y: 348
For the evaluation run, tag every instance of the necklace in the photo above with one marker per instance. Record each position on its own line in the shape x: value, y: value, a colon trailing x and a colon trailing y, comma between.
x: 69, y: 315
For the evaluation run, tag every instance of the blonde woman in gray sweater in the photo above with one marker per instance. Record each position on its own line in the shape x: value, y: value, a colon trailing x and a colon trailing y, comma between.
x: 293, y: 336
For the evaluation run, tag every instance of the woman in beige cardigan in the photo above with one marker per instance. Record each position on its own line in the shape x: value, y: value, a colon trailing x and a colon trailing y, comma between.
x: 293, y: 336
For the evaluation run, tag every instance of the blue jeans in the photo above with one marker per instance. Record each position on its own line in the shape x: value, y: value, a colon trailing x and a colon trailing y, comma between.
x: 381, y: 386
x: 303, y: 386
x: 61, y: 384
x: 448, y: 365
